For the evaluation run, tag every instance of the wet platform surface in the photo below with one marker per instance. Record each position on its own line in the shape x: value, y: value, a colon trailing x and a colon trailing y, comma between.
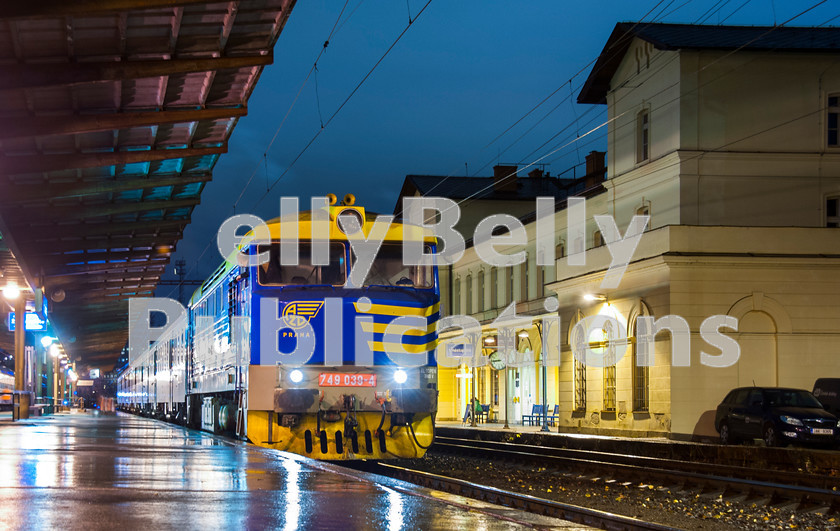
x: 86, y: 471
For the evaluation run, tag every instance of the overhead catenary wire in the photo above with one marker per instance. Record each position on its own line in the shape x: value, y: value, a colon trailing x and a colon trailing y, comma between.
x: 514, y: 174
x: 312, y: 70
x: 578, y: 73
x: 736, y: 10
x: 346, y: 100
x: 328, y: 121
x: 336, y: 27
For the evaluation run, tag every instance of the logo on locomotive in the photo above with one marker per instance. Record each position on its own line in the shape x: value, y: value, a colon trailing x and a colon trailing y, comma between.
x: 296, y: 314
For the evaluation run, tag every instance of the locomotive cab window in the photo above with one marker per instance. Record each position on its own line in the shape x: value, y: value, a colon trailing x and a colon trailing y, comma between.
x: 388, y: 269
x: 272, y: 273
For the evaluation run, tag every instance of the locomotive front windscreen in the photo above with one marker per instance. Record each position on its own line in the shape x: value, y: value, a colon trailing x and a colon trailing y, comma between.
x: 388, y: 269
x: 272, y: 273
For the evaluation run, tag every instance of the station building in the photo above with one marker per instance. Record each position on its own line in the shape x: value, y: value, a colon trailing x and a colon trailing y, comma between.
x: 727, y: 138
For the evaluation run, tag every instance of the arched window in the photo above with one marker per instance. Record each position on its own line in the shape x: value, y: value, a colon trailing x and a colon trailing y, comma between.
x: 560, y: 250
x: 468, y: 294
x: 523, y: 280
x: 641, y: 374
x: 480, y: 306
x: 597, y: 239
x: 578, y: 341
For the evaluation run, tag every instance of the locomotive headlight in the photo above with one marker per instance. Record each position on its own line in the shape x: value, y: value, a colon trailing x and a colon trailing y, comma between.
x: 400, y: 376
x: 296, y: 376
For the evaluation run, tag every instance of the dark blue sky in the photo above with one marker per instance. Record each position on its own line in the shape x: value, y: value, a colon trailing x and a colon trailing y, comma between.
x: 463, y: 73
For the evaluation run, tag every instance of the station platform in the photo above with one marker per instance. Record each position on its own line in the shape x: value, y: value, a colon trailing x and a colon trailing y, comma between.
x: 84, y: 470
x: 516, y: 427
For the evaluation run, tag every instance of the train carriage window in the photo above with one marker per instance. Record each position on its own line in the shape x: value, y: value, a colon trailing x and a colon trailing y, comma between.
x: 273, y: 274
x: 388, y: 269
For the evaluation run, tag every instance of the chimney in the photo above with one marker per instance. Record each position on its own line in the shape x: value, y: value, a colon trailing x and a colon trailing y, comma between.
x: 595, y: 162
x: 536, y: 173
x: 505, y: 178
x: 596, y: 168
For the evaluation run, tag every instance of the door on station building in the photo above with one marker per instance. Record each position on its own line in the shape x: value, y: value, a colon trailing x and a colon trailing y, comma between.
x: 464, y: 386
x: 758, y: 364
x: 513, y: 395
x: 528, y: 383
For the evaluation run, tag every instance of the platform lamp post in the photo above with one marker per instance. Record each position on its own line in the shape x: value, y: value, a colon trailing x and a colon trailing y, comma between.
x: 56, y: 363
x: 505, y: 344
x: 12, y: 293
x: 475, y: 341
x: 544, y: 368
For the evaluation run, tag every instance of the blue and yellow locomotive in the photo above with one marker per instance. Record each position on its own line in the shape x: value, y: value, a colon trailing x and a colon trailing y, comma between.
x: 293, y: 358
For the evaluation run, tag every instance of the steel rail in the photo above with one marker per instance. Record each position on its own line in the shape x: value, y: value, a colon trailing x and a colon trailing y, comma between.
x: 647, y: 470
x: 815, y: 481
x: 515, y: 500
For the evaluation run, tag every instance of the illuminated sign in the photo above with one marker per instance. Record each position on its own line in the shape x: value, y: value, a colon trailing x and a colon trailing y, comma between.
x: 460, y: 350
x: 94, y: 374
x: 31, y: 322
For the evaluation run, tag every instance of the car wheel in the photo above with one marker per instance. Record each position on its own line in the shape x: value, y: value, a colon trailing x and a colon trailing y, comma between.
x: 725, y: 434
x: 770, y: 436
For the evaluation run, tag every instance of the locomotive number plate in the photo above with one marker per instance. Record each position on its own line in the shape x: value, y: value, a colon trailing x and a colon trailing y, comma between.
x: 342, y: 379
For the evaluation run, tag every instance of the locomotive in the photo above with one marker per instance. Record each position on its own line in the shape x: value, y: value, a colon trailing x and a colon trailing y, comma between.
x: 223, y: 367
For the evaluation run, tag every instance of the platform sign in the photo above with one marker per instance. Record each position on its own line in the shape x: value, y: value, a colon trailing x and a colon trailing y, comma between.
x: 31, y: 322
x: 460, y: 350
x: 84, y: 383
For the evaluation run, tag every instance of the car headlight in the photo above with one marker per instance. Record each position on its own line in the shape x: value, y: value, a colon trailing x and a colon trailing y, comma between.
x: 791, y: 420
x: 400, y: 376
x: 296, y: 376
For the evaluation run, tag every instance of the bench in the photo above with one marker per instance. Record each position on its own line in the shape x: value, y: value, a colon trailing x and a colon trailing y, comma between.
x: 552, y: 418
x: 535, y: 417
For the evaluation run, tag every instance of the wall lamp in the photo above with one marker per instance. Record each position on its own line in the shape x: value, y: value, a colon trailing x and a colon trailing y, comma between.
x: 594, y: 297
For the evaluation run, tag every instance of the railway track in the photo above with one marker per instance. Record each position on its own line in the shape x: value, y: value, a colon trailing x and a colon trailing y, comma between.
x: 515, y: 500
x: 807, y: 491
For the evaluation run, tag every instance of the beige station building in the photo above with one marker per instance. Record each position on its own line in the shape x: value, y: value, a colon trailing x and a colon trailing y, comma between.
x: 728, y: 139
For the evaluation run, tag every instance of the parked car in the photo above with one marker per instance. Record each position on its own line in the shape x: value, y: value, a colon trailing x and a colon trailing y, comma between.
x: 777, y: 415
x: 827, y: 391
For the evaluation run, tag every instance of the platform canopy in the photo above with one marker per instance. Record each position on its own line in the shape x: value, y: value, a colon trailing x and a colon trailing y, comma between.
x: 113, y: 114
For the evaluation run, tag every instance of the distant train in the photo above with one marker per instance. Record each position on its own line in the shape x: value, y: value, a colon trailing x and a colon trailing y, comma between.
x: 208, y: 371
x: 7, y: 389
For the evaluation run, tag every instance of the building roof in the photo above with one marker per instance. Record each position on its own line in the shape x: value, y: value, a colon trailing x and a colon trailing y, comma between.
x: 700, y: 37
x: 113, y: 114
x: 527, y: 188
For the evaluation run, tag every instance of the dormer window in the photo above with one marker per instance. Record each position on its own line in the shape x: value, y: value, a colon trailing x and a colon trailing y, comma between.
x: 560, y: 251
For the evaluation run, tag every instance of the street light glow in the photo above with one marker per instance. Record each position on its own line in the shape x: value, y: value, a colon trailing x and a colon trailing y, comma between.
x: 11, y: 291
